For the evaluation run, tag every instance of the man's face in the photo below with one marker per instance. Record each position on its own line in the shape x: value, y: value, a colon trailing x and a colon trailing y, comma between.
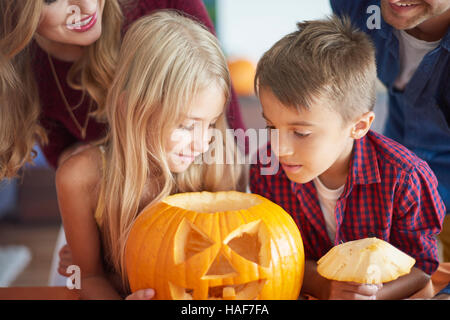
x: 408, y: 14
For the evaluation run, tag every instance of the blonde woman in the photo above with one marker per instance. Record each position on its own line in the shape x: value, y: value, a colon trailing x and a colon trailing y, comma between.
x: 57, y: 59
x: 169, y: 93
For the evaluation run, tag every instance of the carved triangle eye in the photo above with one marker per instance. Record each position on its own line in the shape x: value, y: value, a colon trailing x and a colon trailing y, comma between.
x: 189, y: 241
x: 220, y: 268
x: 252, y: 242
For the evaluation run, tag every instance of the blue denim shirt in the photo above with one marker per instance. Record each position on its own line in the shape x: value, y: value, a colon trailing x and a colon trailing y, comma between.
x: 419, y: 116
x: 446, y: 290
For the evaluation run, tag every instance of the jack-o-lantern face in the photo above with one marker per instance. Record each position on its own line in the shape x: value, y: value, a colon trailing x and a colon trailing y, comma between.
x: 210, y: 261
x: 225, y: 245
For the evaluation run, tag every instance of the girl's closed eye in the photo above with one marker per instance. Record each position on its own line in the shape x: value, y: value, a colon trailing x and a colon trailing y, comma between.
x: 187, y: 127
x: 191, y: 127
x: 49, y: 1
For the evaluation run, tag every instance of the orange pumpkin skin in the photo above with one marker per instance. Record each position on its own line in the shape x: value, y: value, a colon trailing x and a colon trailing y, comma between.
x: 250, y: 253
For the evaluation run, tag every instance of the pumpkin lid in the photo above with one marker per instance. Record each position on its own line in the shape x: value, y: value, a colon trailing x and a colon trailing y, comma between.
x: 369, y: 260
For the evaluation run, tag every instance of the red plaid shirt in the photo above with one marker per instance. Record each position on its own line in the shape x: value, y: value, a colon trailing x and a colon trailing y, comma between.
x: 390, y: 194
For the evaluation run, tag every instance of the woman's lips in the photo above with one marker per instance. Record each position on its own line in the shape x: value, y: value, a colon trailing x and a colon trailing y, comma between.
x: 84, y: 24
x: 403, y: 7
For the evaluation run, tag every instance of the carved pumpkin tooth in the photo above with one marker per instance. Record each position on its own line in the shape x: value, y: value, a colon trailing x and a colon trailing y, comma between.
x: 229, y: 293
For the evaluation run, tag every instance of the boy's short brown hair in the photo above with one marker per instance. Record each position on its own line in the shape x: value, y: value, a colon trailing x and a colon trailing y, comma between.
x: 328, y: 59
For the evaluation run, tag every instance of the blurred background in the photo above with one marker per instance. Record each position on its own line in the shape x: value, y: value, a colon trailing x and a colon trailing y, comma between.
x: 29, y: 216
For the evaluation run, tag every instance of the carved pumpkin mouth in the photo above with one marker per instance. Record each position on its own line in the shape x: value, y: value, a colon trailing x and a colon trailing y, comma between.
x: 249, y: 242
x: 244, y: 291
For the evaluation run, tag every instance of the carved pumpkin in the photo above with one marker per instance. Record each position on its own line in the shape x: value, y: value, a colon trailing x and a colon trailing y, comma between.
x: 224, y: 245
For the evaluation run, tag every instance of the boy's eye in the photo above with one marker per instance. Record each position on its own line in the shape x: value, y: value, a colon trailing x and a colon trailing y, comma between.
x: 301, y: 135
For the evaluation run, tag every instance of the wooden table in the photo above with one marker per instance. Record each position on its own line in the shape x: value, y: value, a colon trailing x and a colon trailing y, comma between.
x: 38, y: 293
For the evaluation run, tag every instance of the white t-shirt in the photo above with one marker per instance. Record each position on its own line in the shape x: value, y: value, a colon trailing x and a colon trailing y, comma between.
x: 411, y: 53
x: 327, y: 199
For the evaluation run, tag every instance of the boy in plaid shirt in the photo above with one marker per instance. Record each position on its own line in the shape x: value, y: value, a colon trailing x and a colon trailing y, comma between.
x: 338, y: 179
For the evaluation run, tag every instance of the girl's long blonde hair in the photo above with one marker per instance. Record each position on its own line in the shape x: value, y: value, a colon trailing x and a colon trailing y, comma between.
x: 19, y: 97
x: 165, y: 60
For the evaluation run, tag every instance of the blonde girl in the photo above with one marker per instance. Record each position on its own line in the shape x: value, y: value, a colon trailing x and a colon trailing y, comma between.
x: 57, y: 59
x: 169, y: 94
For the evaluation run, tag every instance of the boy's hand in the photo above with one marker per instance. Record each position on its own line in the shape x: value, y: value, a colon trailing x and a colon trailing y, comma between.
x: 342, y: 290
x: 144, y: 294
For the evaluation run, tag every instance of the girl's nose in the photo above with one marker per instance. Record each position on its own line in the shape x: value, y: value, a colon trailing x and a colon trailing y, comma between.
x: 201, y: 140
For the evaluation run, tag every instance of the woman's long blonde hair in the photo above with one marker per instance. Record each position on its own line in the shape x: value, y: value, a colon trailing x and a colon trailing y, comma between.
x: 165, y: 60
x: 19, y: 98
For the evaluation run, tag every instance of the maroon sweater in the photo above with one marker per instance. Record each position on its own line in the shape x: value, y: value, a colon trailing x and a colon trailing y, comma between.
x: 62, y: 131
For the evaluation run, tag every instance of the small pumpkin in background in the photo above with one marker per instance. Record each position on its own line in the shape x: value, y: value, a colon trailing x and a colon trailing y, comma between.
x: 242, y: 72
x: 367, y: 261
x: 223, y: 245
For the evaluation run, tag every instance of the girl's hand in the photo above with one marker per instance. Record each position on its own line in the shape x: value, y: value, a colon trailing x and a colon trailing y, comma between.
x: 65, y: 260
x: 342, y: 290
x: 144, y: 294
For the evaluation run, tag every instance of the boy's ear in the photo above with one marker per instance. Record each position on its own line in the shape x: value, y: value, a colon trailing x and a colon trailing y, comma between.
x: 362, y: 125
